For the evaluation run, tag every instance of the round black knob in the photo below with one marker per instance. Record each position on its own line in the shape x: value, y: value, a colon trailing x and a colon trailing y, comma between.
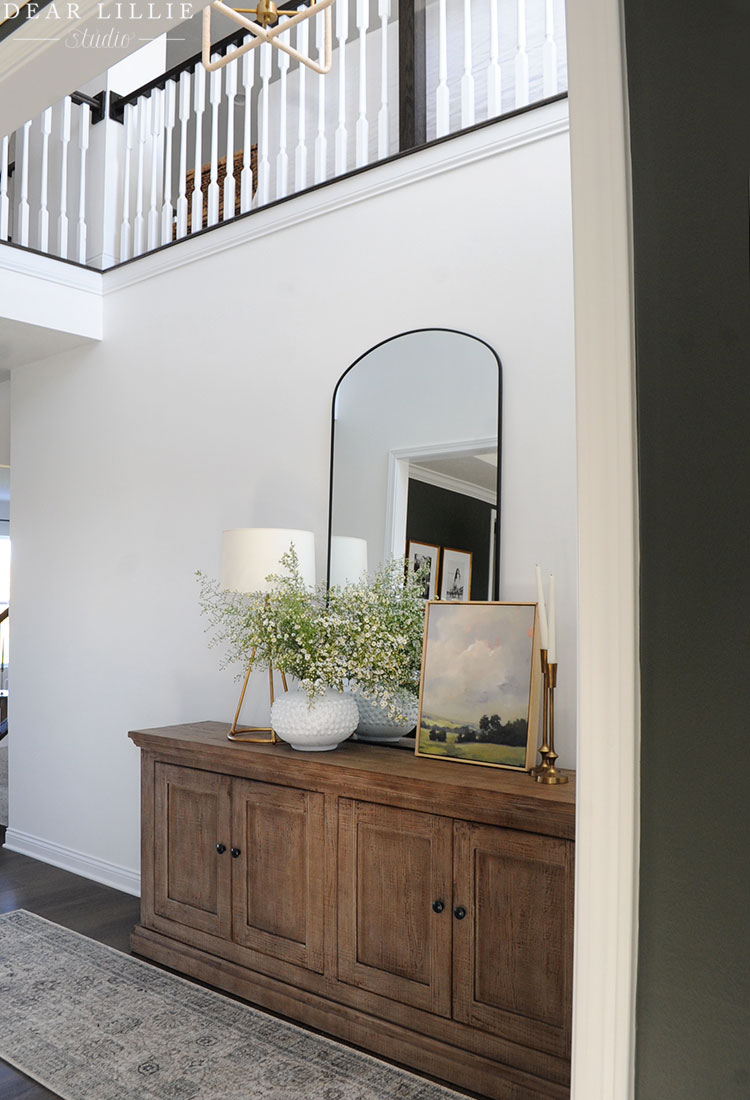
x: 235, y: 852
x: 221, y: 849
x: 438, y: 906
x: 459, y: 912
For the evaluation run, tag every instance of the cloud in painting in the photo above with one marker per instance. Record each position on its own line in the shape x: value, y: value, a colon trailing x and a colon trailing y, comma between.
x: 478, y: 661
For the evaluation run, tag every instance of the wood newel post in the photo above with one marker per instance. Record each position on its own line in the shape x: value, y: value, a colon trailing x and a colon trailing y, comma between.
x: 412, y: 93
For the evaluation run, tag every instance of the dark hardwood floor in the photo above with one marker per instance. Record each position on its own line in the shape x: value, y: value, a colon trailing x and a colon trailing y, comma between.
x: 97, y: 911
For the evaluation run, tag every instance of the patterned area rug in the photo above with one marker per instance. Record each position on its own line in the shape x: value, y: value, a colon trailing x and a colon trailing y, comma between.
x: 91, y: 1023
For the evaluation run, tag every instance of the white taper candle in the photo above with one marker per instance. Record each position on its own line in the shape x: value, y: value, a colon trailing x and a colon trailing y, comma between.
x: 543, y: 634
x: 552, y: 647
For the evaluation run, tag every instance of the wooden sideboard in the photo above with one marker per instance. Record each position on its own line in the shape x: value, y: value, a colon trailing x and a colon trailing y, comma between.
x: 420, y: 909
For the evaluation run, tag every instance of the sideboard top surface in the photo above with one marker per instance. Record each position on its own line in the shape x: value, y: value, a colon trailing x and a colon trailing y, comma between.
x: 446, y: 786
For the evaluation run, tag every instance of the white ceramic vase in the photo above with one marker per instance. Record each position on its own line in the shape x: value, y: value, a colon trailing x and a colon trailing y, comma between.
x: 375, y: 724
x: 315, y: 726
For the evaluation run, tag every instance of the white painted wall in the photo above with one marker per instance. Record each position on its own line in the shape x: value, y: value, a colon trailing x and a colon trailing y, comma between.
x: 5, y: 422
x: 130, y: 457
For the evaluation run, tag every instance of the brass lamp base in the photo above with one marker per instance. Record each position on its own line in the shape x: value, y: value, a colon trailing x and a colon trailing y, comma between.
x: 247, y: 733
x: 242, y: 734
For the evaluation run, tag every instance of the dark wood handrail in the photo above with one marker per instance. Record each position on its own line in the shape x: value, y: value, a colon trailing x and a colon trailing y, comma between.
x: 4, y: 614
x: 118, y: 103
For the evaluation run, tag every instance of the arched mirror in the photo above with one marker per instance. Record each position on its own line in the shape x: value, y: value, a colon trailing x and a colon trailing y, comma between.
x: 415, y: 462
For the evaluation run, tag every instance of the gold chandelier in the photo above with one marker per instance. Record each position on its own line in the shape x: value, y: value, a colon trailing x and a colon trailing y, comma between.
x: 267, y: 28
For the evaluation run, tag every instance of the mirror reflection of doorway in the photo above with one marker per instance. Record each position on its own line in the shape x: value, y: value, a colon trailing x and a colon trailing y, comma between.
x: 418, y: 412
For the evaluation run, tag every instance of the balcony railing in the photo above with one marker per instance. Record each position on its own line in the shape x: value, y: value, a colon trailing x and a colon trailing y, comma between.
x: 191, y: 150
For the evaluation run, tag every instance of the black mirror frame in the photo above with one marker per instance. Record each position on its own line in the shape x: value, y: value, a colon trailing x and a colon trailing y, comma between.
x: 388, y: 340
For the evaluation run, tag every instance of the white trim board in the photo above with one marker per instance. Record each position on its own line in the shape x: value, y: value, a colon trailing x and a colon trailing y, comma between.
x: 69, y: 859
x: 397, y: 491
x: 606, y: 928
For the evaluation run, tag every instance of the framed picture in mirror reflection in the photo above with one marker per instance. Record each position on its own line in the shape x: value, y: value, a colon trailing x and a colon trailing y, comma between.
x: 455, y: 583
x: 421, y: 555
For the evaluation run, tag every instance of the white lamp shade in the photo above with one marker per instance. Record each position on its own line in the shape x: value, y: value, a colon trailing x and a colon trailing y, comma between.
x: 348, y: 559
x: 250, y: 554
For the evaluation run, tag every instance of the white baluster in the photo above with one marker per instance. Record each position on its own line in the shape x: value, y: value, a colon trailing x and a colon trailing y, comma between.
x: 549, y: 53
x: 264, y: 164
x: 157, y: 131
x: 214, y: 95
x: 494, y: 73
x: 167, y: 210
x: 467, y: 80
x: 129, y: 124
x: 300, y: 153
x: 182, y: 203
x: 22, y: 231
x: 282, y: 157
x: 62, y: 219
x: 321, y: 141
x: 522, y: 59
x: 442, y: 95
x: 83, y: 146
x: 144, y: 112
x: 362, y: 132
x: 4, y: 201
x: 246, y: 176
x: 44, y: 181
x: 229, y: 180
x: 199, y: 105
x: 342, y: 29
x: 384, y: 122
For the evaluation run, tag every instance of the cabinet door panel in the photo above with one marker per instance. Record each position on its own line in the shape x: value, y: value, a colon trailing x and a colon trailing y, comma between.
x: 279, y: 879
x: 513, y: 951
x: 393, y: 864
x: 192, y: 881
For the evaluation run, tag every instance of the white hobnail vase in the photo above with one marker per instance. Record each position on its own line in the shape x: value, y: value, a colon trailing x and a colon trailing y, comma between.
x: 375, y: 723
x: 317, y: 725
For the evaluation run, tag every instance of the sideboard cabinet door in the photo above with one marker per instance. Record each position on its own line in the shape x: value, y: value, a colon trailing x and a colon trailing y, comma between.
x: 279, y: 874
x: 513, y: 949
x: 394, y: 915
x: 192, y: 879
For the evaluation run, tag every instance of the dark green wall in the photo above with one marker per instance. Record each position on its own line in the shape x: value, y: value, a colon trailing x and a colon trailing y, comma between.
x: 688, y: 65
x: 446, y: 519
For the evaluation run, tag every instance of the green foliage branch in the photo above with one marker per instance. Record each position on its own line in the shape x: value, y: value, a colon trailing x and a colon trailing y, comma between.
x: 366, y: 635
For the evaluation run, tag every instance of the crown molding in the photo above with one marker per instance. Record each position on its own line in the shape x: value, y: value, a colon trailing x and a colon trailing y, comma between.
x: 452, y: 484
x: 51, y: 269
x: 477, y: 145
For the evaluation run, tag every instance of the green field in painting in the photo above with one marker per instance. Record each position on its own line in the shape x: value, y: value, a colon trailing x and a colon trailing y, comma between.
x: 511, y: 756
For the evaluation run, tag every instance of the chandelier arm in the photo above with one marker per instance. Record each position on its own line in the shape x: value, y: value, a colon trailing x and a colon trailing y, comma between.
x: 263, y: 35
x: 280, y: 27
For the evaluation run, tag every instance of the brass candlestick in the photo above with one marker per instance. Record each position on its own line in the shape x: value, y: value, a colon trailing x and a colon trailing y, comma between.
x: 544, y: 747
x: 550, y: 774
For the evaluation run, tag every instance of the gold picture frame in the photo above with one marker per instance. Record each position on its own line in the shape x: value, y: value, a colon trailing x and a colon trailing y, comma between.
x: 455, y: 579
x: 481, y: 684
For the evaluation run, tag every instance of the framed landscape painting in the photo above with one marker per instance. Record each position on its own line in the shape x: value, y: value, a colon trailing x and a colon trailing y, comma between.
x: 481, y: 684
x: 422, y: 554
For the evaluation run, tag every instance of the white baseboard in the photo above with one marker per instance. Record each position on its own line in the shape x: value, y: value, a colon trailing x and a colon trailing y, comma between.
x: 109, y: 874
